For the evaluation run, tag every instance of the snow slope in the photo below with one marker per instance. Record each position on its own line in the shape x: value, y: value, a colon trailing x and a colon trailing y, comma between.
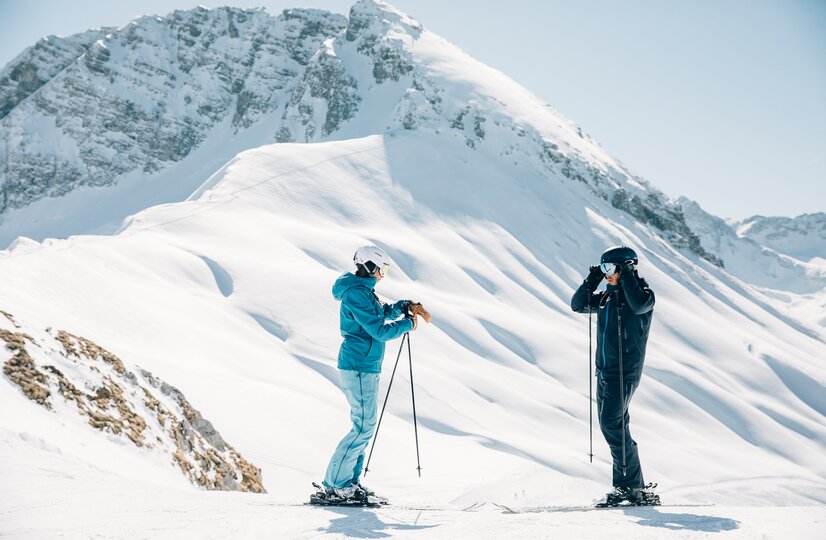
x: 802, y: 237
x: 493, y: 206
x: 766, y: 259
x: 228, y: 296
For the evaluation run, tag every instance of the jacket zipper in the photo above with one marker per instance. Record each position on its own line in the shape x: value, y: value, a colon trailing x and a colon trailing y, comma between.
x: 605, y: 332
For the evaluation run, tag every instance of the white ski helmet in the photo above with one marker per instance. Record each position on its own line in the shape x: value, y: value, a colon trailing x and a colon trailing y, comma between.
x: 372, y: 257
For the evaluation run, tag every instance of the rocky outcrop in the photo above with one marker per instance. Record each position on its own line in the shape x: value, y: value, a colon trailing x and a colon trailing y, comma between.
x: 144, y: 96
x: 653, y: 210
x: 35, y: 66
x: 143, y: 409
x: 325, y: 91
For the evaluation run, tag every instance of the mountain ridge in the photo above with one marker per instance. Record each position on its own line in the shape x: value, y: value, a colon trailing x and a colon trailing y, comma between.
x: 802, y: 237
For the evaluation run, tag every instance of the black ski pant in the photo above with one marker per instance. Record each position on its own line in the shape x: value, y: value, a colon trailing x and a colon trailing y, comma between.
x: 611, y: 409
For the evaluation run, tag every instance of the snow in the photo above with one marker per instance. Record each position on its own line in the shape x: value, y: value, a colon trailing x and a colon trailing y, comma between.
x: 141, y: 510
x: 802, y: 237
x: 226, y: 296
x: 219, y: 283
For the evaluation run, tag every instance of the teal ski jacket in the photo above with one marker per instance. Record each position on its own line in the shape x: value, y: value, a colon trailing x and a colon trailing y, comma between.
x: 363, y: 324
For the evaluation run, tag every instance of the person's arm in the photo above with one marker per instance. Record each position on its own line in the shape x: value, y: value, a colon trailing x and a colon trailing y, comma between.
x: 640, y: 299
x: 585, y: 299
x: 394, y: 311
x: 360, y: 302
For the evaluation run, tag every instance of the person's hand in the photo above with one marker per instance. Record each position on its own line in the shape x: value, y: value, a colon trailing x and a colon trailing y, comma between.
x: 418, y: 309
x: 595, y: 276
x: 625, y: 269
x: 408, y: 314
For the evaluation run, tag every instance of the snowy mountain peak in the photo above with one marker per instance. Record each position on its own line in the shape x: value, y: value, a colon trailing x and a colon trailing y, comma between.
x: 377, y: 17
x: 802, y: 237
x: 776, y: 253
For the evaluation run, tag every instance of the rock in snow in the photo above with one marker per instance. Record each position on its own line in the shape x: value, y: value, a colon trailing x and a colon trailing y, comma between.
x: 75, y: 376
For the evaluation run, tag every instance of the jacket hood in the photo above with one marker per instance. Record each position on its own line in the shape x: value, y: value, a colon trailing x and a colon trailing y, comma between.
x: 348, y: 281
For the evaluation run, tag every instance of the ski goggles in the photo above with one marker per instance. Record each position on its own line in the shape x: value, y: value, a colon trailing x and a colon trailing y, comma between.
x: 383, y: 269
x: 609, y: 268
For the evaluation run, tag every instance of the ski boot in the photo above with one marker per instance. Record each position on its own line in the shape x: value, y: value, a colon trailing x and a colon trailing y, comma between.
x: 347, y: 496
x: 371, y: 495
x: 645, y: 496
x: 626, y: 496
x: 620, y: 495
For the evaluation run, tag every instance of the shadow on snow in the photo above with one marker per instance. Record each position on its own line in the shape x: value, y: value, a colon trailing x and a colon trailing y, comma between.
x: 364, y: 523
x: 651, y: 517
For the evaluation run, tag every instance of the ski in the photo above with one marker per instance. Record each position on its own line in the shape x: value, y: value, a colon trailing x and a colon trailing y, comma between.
x: 370, y: 502
x: 475, y: 506
x: 541, y: 509
x: 321, y: 498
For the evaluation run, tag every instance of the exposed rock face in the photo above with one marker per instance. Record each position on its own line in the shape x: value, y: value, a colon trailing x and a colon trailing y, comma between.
x: 668, y: 218
x: 325, y: 91
x: 20, y: 369
x: 39, y: 63
x: 145, y: 410
x: 380, y: 33
x: 144, y: 96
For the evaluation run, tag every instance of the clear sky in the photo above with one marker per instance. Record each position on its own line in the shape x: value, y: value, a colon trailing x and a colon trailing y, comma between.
x: 723, y: 101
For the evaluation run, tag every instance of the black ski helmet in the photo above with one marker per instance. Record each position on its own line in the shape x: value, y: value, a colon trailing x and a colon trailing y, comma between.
x: 619, y: 255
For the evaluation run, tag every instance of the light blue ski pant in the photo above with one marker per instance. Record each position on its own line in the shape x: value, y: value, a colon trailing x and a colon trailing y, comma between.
x: 347, y: 461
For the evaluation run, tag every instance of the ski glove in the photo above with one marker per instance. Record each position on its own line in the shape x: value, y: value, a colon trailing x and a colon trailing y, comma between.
x: 415, y: 309
x: 626, y: 269
x: 419, y: 309
x: 594, y: 278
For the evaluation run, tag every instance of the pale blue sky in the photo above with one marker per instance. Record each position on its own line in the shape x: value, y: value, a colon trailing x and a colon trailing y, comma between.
x: 721, y: 101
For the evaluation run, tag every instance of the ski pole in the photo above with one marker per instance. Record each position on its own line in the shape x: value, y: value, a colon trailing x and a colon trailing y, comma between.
x: 622, y: 383
x: 413, y: 395
x: 389, y: 386
x: 590, y: 391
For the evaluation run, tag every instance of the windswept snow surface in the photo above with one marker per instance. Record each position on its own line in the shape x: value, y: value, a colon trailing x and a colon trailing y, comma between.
x: 227, y: 296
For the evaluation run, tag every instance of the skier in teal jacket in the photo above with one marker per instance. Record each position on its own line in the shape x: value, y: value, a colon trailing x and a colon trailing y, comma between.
x: 364, y: 326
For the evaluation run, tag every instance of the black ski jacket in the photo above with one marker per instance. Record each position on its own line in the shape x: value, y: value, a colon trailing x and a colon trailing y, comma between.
x: 636, y: 308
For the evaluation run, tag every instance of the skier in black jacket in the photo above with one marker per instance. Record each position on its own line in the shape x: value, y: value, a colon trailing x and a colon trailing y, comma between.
x: 626, y: 307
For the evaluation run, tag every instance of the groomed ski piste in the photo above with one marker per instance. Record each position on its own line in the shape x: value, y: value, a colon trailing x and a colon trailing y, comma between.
x: 226, y: 296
